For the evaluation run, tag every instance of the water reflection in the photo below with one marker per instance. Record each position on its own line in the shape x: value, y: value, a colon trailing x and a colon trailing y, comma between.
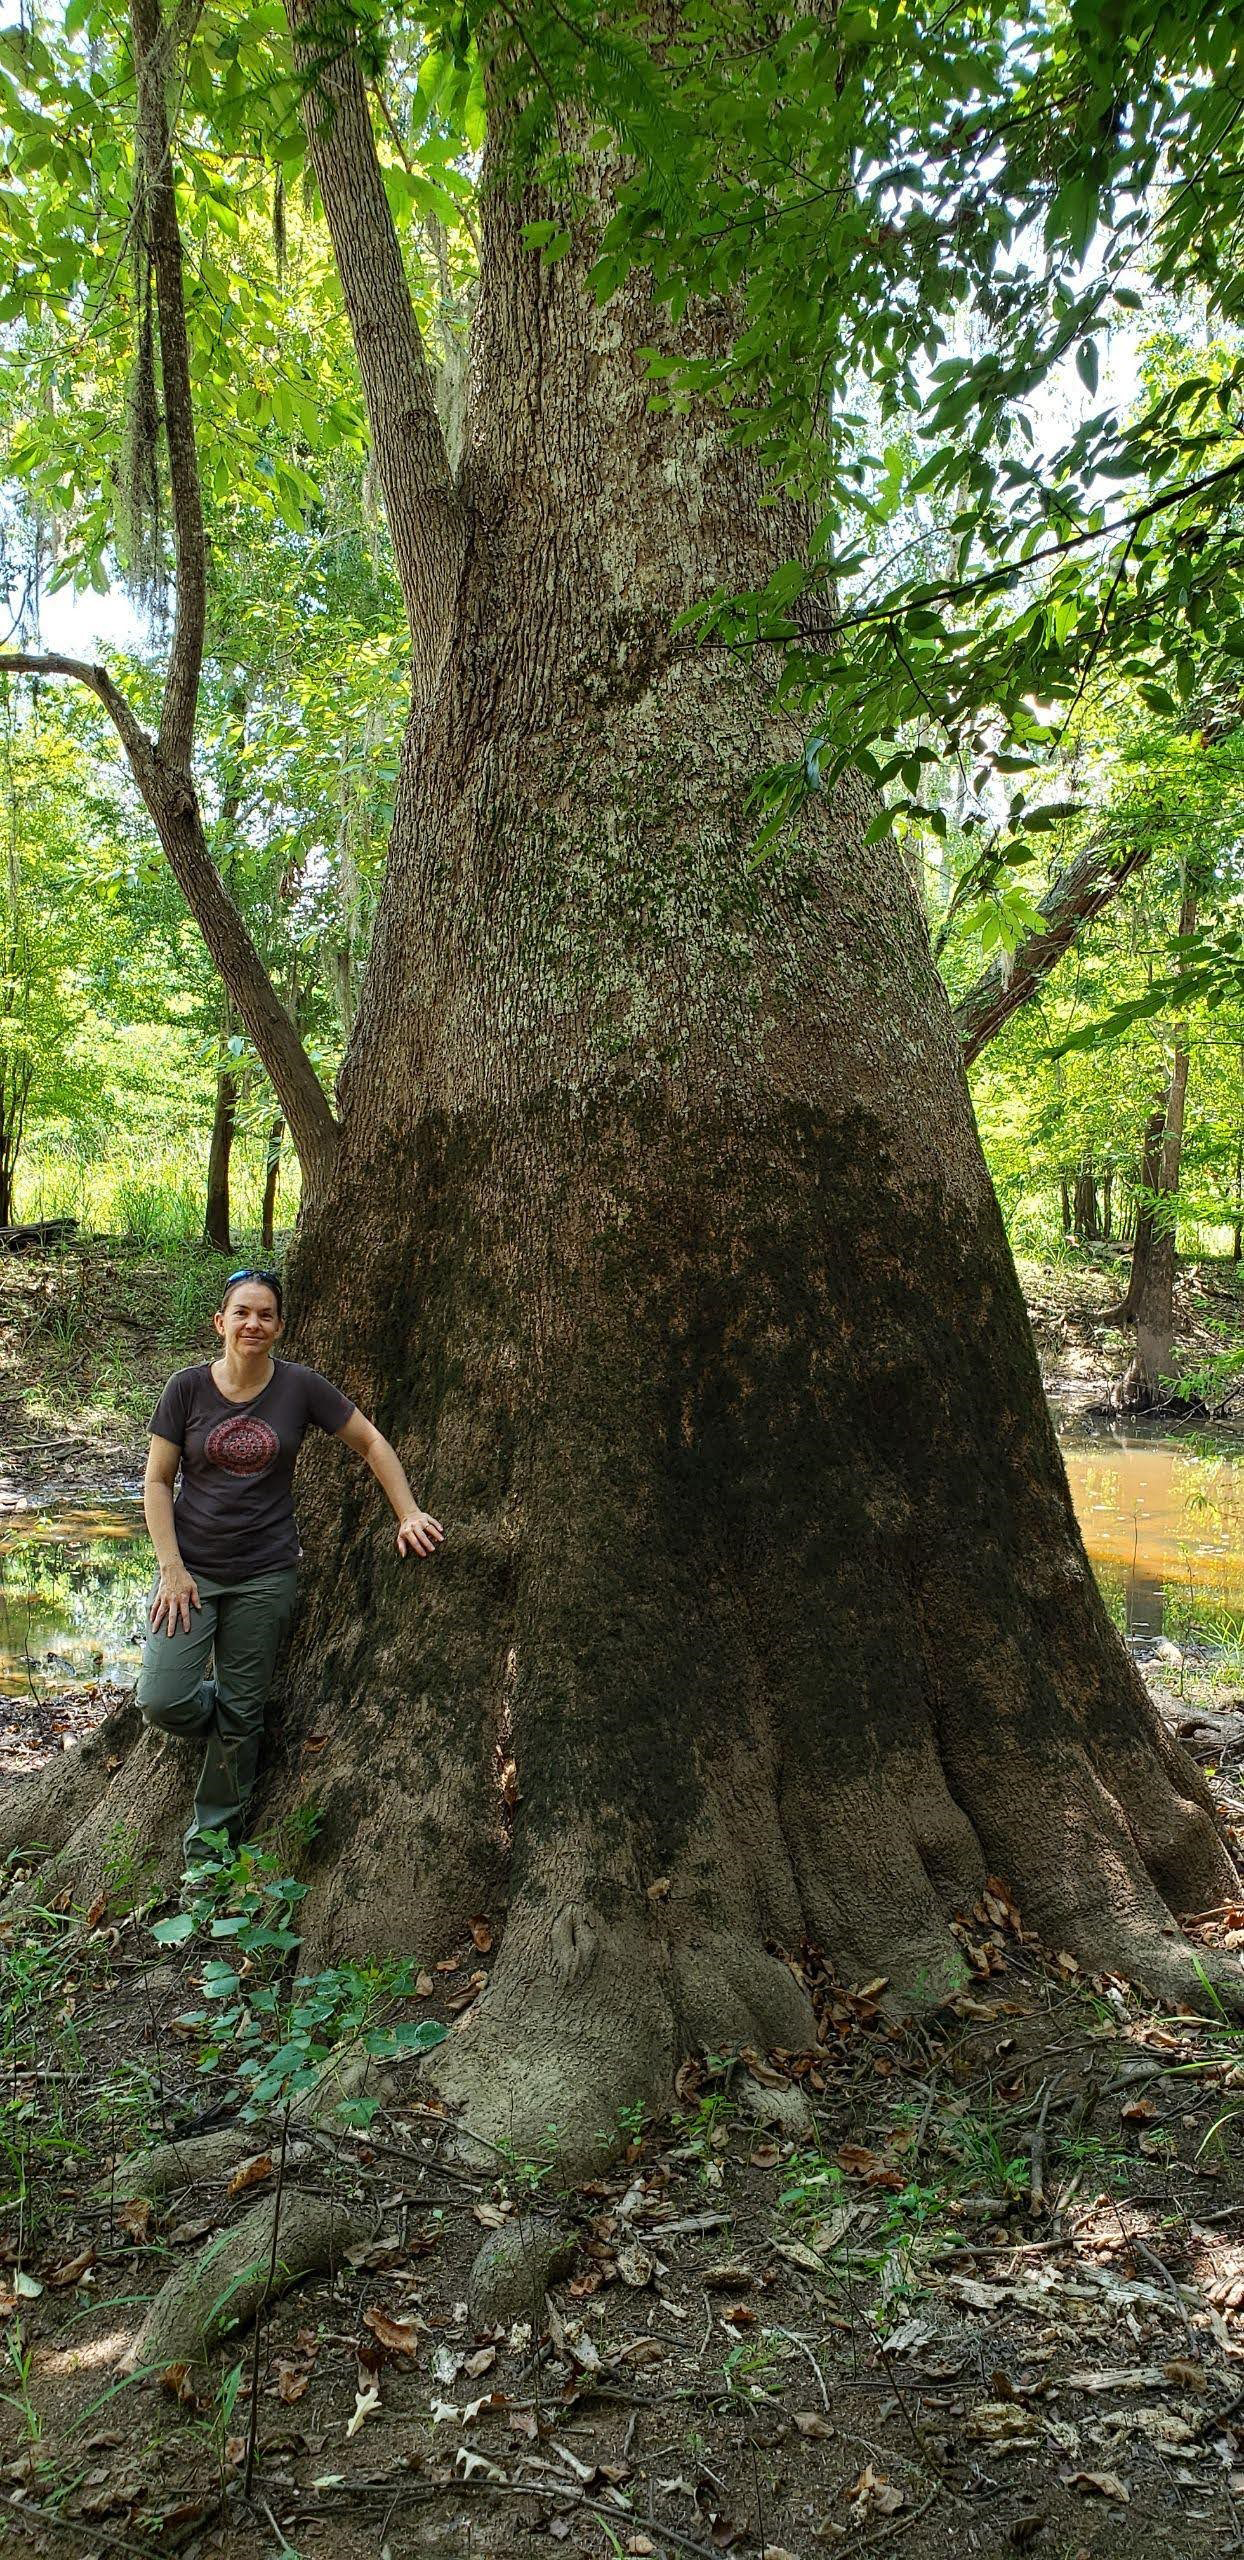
x: 72, y: 1594
x: 1162, y: 1511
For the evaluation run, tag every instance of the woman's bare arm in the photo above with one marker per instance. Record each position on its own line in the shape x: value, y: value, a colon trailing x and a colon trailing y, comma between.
x: 178, y: 1592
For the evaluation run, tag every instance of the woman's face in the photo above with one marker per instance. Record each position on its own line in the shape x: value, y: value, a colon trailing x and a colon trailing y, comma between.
x: 248, y: 1321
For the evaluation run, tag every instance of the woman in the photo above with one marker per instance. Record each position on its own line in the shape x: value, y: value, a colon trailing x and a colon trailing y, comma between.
x: 227, y: 1545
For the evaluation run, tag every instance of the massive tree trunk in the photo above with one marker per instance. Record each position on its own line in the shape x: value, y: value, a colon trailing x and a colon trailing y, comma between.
x: 660, y: 1240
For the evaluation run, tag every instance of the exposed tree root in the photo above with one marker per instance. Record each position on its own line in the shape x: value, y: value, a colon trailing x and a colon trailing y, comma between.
x: 227, y: 2282
x: 168, y: 2166
x: 514, y: 2270
x: 124, y: 1786
x: 201, y: 2160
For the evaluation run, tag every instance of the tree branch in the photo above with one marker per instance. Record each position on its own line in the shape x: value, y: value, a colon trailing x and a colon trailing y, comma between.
x: 170, y: 798
x: 1094, y: 879
x: 426, y: 517
x: 155, y: 168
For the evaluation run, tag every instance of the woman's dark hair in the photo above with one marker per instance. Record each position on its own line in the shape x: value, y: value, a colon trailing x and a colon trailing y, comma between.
x: 269, y: 1281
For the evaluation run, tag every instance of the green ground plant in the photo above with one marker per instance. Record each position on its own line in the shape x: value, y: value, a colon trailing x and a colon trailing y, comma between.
x: 270, y: 2028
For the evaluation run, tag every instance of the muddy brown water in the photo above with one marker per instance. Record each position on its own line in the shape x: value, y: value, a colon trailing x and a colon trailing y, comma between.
x: 1162, y: 1513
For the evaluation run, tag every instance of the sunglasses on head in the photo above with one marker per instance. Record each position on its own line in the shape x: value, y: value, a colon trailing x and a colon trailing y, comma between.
x: 267, y: 1280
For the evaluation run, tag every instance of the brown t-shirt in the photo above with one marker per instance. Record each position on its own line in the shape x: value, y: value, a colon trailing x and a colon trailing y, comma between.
x: 234, y: 1505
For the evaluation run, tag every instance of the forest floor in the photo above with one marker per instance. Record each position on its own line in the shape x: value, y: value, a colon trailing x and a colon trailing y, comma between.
x: 88, y: 1336
x: 989, y: 2297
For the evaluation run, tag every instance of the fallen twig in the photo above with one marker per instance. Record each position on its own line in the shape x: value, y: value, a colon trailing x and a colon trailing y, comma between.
x: 1036, y: 2156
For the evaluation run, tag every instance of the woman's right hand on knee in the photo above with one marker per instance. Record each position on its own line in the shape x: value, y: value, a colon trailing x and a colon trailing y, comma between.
x: 177, y: 1593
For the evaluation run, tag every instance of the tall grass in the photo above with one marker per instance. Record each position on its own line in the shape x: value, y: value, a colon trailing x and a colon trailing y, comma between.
x: 155, y: 1196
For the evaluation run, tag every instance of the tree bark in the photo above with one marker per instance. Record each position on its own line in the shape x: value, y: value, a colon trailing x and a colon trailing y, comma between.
x: 1142, y: 1387
x: 763, y: 1601
x: 1087, y: 1219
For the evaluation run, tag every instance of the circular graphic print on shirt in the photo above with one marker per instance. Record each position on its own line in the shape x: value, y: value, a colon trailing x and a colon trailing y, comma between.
x: 244, y: 1446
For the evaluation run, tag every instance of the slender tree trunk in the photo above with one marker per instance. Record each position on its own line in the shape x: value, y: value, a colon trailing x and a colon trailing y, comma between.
x: 1064, y: 1194
x: 1148, y: 1184
x: 272, y: 1170
x: 1107, y: 1205
x: 224, y: 1123
x: 1237, y: 1230
x: 1142, y: 1388
x: 1151, y: 1290
x: 1087, y: 1222
x: 657, y: 1180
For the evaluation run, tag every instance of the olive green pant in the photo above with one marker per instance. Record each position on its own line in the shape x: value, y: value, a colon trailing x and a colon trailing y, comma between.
x: 240, y: 1627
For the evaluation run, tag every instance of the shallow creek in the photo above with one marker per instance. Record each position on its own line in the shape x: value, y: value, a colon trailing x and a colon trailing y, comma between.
x: 1162, y: 1512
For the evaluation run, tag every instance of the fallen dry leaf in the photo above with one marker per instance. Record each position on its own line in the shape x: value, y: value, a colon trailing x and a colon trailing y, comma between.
x: 475, y: 2466
x: 135, y: 2218
x: 658, y: 1892
x: 251, y: 2173
x: 424, y: 1986
x: 1100, y: 2484
x: 482, y: 1935
x: 812, y: 2424
x: 365, y: 2405
x: 72, y: 2271
x: 1186, y: 2375
x: 175, y: 2379
x: 635, y: 2266
x: 872, y: 2492
x: 401, y: 2337
x: 862, y: 2163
